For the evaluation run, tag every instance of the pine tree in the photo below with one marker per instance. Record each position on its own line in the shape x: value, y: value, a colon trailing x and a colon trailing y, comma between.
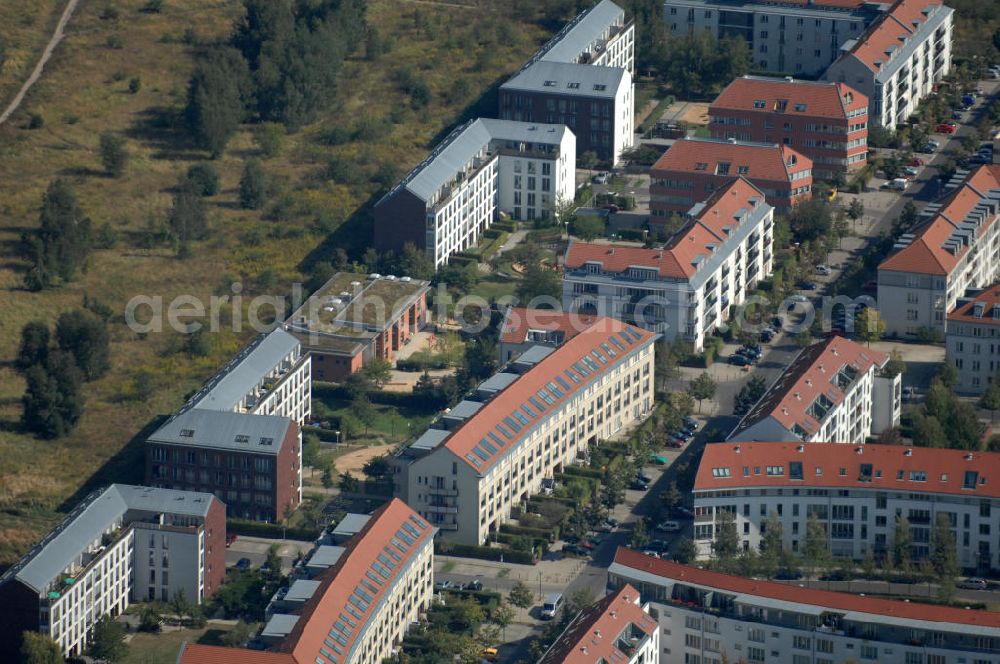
x: 34, y: 348
x: 85, y: 337
x: 187, y: 218
x: 253, y: 186
x: 52, y: 399
x: 218, y: 93
x: 62, y: 243
x: 114, y: 154
x: 38, y: 648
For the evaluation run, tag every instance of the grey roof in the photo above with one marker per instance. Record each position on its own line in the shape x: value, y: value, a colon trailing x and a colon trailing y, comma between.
x: 496, y: 382
x: 460, y: 146
x: 583, y: 31
x: 325, y: 556
x: 301, y: 590
x: 245, y: 371
x: 98, y: 513
x: 351, y: 524
x: 533, y: 355
x: 463, y: 409
x: 430, y: 439
x: 590, y: 80
x: 215, y: 429
x: 279, y: 626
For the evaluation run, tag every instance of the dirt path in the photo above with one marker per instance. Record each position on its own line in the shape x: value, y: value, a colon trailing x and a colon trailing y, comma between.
x: 353, y: 462
x: 36, y: 73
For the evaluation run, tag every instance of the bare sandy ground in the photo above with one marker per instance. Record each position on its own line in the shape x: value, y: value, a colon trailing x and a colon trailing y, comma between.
x: 353, y: 462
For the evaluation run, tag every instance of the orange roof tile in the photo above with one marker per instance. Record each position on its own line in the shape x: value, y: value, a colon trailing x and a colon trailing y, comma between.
x: 519, y: 321
x: 987, y: 301
x: 890, y: 32
x: 821, y: 99
x: 792, y: 593
x: 834, y: 465
x: 592, y: 635
x: 606, y: 336
x: 811, y: 377
x: 196, y: 653
x: 926, y: 254
x: 763, y: 161
x: 680, y: 258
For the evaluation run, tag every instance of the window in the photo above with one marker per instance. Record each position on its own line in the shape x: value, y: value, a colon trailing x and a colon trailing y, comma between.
x: 721, y: 472
x: 759, y: 103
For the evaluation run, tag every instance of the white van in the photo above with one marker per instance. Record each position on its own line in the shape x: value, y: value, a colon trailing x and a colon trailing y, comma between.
x: 553, y: 602
x: 899, y: 184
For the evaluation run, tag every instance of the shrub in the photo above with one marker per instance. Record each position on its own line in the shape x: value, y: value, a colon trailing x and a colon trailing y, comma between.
x: 270, y: 530
x: 444, y: 547
x: 205, y: 179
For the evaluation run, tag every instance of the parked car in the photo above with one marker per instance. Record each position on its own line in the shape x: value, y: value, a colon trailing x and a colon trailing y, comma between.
x: 658, y: 460
x: 643, y: 477
x: 675, y: 443
x: 766, y: 335
x: 658, y: 545
x: 822, y: 269
x: 807, y: 285
x: 909, y: 393
x: 911, y: 171
x: 243, y: 563
x: 956, y: 115
x: 489, y: 654
x: 611, y: 521
x: 916, y: 161
x: 973, y: 583
x: 753, y: 349
x: 690, y: 423
x: 799, y: 298
x: 835, y: 575
x: 576, y: 550
x: 636, y: 485
x: 739, y: 360
x: 445, y: 585
x: 669, y: 527
x: 788, y: 574
x: 682, y: 434
x: 601, y: 178
x: 945, y: 128
x: 681, y: 513
x: 475, y: 584
x: 898, y: 184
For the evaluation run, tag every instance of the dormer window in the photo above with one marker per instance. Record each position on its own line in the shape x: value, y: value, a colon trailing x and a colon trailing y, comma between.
x: 600, y: 87
x: 781, y: 105
x: 722, y: 168
x: 743, y: 170
x: 759, y: 103
x: 800, y: 108
x: 573, y: 86
x: 549, y: 84
x: 700, y: 166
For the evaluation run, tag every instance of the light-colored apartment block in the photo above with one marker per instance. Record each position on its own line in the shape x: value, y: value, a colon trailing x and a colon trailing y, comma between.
x: 708, y: 617
x: 122, y: 544
x: 528, y: 425
x: 690, y: 286
x: 833, y: 391
x: 972, y: 343
x: 856, y: 492
x: 955, y: 249
x: 358, y: 609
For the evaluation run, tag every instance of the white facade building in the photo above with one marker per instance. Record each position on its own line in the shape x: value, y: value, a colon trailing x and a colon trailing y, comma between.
x: 481, y: 169
x: 687, y: 288
x: 708, y: 617
x: 972, y: 343
x: 899, y: 59
x: 857, y: 493
x: 833, y: 391
x: 956, y: 249
x: 465, y: 480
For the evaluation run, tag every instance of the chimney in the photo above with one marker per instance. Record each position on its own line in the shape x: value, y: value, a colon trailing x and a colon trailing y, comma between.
x: 968, y: 457
x: 800, y: 449
x: 736, y: 449
x: 908, y: 452
x: 857, y: 450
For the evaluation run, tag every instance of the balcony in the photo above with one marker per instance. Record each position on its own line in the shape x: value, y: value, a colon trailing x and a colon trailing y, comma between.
x: 441, y: 509
x: 441, y: 491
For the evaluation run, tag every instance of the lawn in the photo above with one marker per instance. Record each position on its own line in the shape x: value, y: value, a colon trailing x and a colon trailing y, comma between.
x: 162, y: 648
x: 84, y: 91
x: 25, y: 28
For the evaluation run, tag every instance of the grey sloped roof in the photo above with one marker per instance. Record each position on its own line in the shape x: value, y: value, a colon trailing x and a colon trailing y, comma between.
x: 351, y: 524
x: 301, y: 590
x: 448, y: 158
x: 95, y: 515
x: 430, y: 439
x: 525, y: 132
x: 279, y: 626
x: 581, y: 33
x: 245, y: 370
x: 218, y: 429
x: 590, y: 79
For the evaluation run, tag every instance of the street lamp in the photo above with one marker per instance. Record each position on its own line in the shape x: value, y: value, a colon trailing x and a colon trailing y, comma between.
x: 338, y: 437
x: 539, y: 584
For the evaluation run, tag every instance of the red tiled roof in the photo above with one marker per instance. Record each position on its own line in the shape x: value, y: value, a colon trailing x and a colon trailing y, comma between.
x: 790, y: 593
x: 926, y: 253
x: 596, y: 338
x: 520, y: 320
x: 592, y: 635
x: 678, y: 259
x: 196, y: 653
x: 808, y: 376
x: 821, y: 99
x: 989, y: 298
x: 944, y: 469
x: 764, y: 161
x: 338, y: 583
x: 888, y: 31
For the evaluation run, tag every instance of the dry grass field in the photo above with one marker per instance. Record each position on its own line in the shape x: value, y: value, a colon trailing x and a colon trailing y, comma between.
x: 83, y: 92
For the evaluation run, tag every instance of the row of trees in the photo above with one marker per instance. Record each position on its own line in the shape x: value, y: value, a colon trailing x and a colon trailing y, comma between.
x: 943, y: 420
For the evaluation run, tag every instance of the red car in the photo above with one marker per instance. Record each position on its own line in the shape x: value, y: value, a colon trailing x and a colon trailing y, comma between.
x: 916, y: 161
x: 945, y: 128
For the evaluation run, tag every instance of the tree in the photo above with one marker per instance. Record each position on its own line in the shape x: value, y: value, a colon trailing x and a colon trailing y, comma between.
x: 685, y: 551
x: 216, y: 102
x: 150, y: 619
x: 38, y: 648
x: 803, y: 338
x: 538, y: 282
x: 726, y: 544
x: 379, y: 372
x: 327, y: 478
x: 521, y: 596
x: 749, y: 395
x: 62, y: 243
x: 890, y: 436
x: 85, y: 336
x: 902, y: 543
x: 205, y: 179
x: 928, y: 432
x: 587, y: 227
x: 944, y: 555
x: 180, y: 605
x: 811, y: 221
x: 237, y: 636
x: 107, y: 640
x: 701, y: 388
x: 870, y: 326
x: 34, y: 348
x: 671, y: 498
x: 895, y: 366
x: 415, y: 263
x: 481, y: 357
x: 187, y: 218
x: 253, y: 186
x: 272, y: 561
x: 377, y: 467
x: 349, y: 483
x: 52, y: 401
x: 990, y: 399
x: 311, y: 449
x: 503, y: 615
x: 638, y: 538
x: 771, y: 544
x: 114, y: 153
x: 270, y: 138
x: 816, y: 550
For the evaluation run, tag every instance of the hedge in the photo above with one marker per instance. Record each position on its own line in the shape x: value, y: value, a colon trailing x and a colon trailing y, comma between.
x: 270, y: 530
x: 327, y: 435
x: 583, y: 471
x: 399, y: 399
x: 527, y: 531
x: 413, y: 364
x: 510, y: 538
x: 502, y: 225
x: 445, y: 548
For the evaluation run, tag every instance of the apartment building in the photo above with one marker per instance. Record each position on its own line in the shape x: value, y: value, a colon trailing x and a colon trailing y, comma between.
x: 530, y: 424
x: 271, y: 376
x: 523, y: 329
x: 686, y: 288
x: 827, y: 122
x: 352, y: 321
x: 582, y: 78
x: 482, y: 169
x: 616, y: 628
x: 857, y: 493
x: 252, y: 462
x: 801, y: 37
x: 972, y: 342
x: 898, y: 60
x: 361, y: 607
x: 955, y: 249
x: 120, y: 545
x: 709, y: 617
x: 833, y: 391
x: 693, y: 168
